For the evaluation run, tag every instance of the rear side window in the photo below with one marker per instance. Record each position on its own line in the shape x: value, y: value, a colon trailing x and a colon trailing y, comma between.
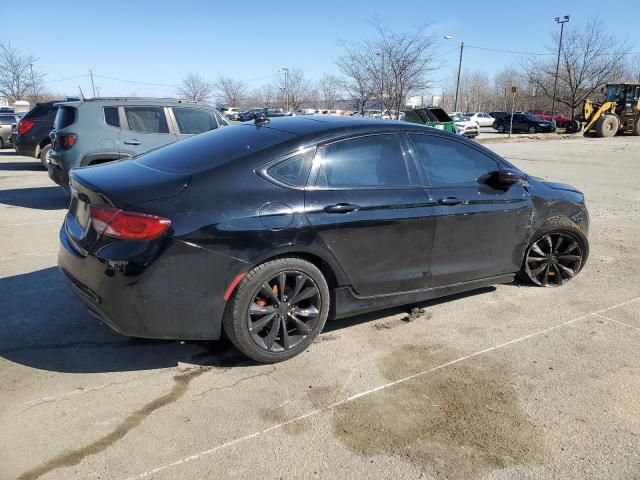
x: 7, y: 120
x: 448, y: 162
x: 111, y: 116
x: 192, y: 121
x: 64, y: 117
x: 293, y: 171
x: 371, y: 161
x: 146, y: 119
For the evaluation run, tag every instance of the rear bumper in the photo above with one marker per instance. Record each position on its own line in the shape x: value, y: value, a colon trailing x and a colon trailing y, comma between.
x: 175, y: 294
x: 58, y: 175
x: 24, y: 148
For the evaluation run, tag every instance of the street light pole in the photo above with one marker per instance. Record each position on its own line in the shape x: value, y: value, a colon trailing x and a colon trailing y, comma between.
x: 33, y: 83
x: 286, y: 86
x: 455, y: 105
x: 564, y: 20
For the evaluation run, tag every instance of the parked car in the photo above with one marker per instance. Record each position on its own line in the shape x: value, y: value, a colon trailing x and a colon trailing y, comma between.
x: 498, y: 114
x: 465, y: 127
x: 240, y: 230
x: 34, y: 127
x: 88, y: 132
x: 6, y: 121
x: 481, y: 118
x: 560, y: 119
x: 268, y: 112
x: 14, y: 133
x: 524, y: 122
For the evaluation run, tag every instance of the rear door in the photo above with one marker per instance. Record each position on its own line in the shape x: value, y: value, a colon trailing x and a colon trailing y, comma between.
x: 369, y: 210
x: 481, y: 230
x: 144, y: 128
x: 190, y: 121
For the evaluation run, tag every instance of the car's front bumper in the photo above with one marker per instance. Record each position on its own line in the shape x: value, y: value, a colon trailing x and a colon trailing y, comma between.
x: 174, y: 292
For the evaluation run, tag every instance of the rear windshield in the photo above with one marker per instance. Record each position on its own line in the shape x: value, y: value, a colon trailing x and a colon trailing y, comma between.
x: 65, y: 117
x: 212, y: 149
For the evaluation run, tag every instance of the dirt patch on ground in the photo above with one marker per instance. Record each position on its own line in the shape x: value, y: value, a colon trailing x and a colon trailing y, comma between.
x: 461, y: 421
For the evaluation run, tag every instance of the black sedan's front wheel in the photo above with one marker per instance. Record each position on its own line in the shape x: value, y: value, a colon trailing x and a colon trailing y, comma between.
x: 556, y: 254
x: 277, y: 310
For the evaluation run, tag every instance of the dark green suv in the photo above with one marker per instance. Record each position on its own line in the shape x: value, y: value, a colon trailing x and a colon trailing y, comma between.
x: 88, y: 132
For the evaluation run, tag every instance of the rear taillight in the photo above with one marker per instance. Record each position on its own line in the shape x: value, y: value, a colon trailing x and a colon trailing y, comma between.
x: 24, y: 126
x: 67, y: 141
x: 125, y: 225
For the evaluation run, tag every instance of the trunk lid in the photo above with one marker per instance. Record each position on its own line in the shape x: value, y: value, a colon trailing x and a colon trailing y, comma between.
x: 118, y: 184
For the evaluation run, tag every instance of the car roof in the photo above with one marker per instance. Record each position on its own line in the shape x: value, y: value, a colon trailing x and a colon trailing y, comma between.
x: 310, y: 125
x: 132, y: 101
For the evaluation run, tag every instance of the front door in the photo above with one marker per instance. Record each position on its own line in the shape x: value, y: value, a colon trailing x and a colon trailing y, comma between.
x: 369, y: 210
x: 481, y: 229
x: 143, y: 128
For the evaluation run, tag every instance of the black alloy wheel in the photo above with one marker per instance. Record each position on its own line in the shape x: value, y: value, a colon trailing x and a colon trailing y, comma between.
x: 284, y: 310
x: 533, y: 129
x: 277, y: 309
x: 554, y: 259
x: 501, y: 129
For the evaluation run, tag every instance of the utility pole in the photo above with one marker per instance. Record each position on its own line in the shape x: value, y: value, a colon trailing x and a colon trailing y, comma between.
x: 93, y: 87
x: 33, y: 84
x: 455, y: 104
x: 564, y: 20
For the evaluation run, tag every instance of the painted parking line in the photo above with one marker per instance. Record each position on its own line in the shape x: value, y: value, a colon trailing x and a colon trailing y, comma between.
x: 277, y: 426
x: 24, y: 255
x: 609, y: 319
x: 32, y: 223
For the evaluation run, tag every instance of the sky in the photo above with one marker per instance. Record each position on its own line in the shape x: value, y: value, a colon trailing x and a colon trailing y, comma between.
x: 160, y: 42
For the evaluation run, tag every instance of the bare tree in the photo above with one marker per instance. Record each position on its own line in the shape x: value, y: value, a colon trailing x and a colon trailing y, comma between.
x: 401, y: 63
x: 632, y: 70
x: 296, y: 86
x: 330, y: 90
x: 230, y: 91
x: 195, y: 88
x: 358, y: 84
x: 16, y: 79
x: 590, y: 57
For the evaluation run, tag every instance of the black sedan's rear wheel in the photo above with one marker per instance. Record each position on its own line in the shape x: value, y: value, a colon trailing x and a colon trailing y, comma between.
x: 278, y: 309
x: 556, y: 254
x: 533, y: 129
x: 500, y: 129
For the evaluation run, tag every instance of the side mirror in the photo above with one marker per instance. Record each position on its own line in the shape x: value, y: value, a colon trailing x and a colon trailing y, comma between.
x: 508, y: 177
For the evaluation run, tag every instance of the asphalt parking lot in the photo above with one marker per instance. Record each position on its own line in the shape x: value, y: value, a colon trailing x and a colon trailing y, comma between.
x: 510, y: 382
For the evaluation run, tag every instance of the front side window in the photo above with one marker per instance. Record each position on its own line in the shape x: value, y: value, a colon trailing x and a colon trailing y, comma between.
x: 293, y: 171
x: 192, y: 121
x: 146, y: 119
x: 448, y: 162
x: 371, y: 161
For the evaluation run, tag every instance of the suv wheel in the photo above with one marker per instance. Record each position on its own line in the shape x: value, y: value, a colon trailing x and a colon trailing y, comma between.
x: 277, y: 310
x: 44, y: 155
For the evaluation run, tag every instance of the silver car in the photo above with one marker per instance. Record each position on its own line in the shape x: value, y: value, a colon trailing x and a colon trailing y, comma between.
x: 6, y: 120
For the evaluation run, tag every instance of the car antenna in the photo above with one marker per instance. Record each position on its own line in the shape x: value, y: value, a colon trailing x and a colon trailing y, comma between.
x: 261, y: 119
x: 81, y: 94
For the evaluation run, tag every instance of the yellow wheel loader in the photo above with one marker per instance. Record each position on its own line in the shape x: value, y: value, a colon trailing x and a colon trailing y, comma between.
x: 618, y: 112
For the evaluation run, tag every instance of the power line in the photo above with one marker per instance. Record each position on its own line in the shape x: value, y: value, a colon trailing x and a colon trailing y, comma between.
x: 508, y: 51
x: 68, y: 78
x: 135, y: 82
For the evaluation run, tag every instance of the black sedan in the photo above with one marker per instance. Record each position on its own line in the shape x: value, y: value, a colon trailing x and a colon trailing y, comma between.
x: 266, y: 229
x: 524, y: 122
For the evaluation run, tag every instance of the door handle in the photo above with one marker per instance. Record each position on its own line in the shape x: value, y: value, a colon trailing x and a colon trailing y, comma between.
x: 133, y: 142
x: 450, y: 201
x: 341, y: 208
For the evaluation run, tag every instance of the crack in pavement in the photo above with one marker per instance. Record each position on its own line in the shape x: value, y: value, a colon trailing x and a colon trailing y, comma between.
x: 75, y: 456
x: 237, y: 382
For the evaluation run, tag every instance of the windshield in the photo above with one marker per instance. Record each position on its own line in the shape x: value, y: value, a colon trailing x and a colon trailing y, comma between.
x: 613, y: 92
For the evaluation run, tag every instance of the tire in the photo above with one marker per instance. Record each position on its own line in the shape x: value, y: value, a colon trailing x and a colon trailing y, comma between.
x: 532, y: 130
x: 573, y: 126
x: 43, y: 155
x: 556, y: 255
x: 636, y: 127
x: 607, y: 126
x: 500, y: 129
x: 238, y: 314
